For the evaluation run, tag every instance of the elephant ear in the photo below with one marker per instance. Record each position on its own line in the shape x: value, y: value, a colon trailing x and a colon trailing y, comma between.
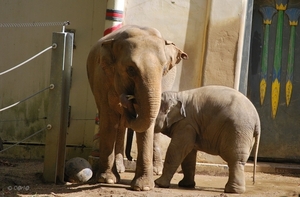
x: 176, y: 113
x: 173, y: 54
x: 107, y: 58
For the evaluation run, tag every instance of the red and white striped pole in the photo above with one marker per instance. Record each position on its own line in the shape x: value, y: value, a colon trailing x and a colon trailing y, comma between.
x: 114, y: 15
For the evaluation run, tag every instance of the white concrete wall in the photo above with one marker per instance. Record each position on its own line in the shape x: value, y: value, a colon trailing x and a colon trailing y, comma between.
x: 207, y: 30
x: 181, y: 21
x: 222, y: 42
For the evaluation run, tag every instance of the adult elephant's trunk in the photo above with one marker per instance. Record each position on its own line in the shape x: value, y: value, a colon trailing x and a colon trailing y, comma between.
x: 147, y: 97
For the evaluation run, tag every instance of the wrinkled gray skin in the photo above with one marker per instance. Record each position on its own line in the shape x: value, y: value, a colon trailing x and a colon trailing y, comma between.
x: 129, y: 61
x: 166, y: 85
x: 215, y: 119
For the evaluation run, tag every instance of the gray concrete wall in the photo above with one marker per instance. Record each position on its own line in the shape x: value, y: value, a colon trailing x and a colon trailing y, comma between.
x: 208, y: 31
x: 19, y: 44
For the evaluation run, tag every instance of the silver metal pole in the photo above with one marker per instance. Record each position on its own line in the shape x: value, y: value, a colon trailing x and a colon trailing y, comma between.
x: 241, y: 80
x: 60, y: 76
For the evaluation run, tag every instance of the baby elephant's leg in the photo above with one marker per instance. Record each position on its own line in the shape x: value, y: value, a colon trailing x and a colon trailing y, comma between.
x: 188, y: 168
x: 157, y: 159
x: 182, y: 143
x: 236, y: 180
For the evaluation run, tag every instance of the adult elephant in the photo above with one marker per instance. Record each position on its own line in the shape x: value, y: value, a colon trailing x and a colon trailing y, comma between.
x: 129, y: 61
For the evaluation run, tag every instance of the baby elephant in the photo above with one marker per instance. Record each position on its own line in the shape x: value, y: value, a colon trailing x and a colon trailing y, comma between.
x: 215, y: 119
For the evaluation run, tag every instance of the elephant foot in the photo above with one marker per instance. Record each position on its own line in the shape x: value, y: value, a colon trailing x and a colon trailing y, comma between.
x: 157, y: 167
x: 236, y: 180
x: 142, y: 184
x: 109, y: 178
x: 187, y: 183
x: 120, y: 163
x: 234, y: 188
x: 161, y: 182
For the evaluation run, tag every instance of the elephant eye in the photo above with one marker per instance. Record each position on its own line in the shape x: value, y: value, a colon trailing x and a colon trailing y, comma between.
x: 131, y: 71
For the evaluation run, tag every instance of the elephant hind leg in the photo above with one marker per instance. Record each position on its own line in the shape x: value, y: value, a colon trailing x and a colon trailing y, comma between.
x: 188, y: 168
x: 119, y: 150
x: 236, y: 181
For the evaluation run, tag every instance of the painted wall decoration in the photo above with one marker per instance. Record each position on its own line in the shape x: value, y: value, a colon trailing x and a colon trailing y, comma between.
x: 267, y: 13
x: 293, y: 14
x: 280, y: 6
x: 274, y: 77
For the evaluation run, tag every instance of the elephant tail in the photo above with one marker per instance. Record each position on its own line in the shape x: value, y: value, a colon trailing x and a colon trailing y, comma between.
x: 256, y: 145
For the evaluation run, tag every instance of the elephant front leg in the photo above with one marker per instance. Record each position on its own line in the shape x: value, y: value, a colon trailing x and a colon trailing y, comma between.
x: 157, y: 160
x: 182, y: 143
x: 188, y: 167
x: 143, y: 180
x: 107, y: 138
x: 236, y: 181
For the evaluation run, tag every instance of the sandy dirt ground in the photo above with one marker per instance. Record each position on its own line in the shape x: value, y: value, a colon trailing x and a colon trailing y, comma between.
x: 23, y: 178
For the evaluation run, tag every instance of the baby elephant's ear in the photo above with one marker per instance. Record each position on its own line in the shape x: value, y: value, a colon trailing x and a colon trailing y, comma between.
x: 176, y: 113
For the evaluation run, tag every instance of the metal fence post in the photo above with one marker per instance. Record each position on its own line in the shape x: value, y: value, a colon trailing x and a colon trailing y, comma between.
x: 60, y: 77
